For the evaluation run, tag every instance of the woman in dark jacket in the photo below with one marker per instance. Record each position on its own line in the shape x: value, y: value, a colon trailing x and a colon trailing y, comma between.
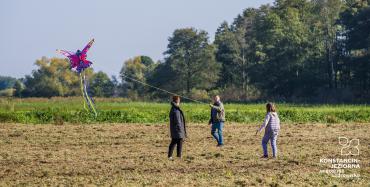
x: 177, y: 127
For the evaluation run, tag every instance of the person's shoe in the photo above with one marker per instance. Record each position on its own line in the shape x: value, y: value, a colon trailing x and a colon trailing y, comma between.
x: 220, y: 145
x: 264, y: 156
x: 170, y: 158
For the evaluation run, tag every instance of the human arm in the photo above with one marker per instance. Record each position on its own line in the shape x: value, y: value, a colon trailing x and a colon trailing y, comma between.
x: 265, y: 122
x: 218, y: 108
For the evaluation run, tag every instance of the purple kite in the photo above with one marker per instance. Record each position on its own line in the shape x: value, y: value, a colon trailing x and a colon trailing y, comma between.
x: 79, y: 63
x: 78, y: 60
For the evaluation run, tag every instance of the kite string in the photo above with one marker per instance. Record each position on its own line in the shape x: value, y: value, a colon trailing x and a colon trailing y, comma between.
x: 163, y: 90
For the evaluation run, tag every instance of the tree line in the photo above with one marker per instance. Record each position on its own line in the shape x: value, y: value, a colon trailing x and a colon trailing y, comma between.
x: 293, y: 50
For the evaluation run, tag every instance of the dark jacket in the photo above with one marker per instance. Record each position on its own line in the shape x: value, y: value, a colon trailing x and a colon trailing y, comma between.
x: 177, y: 122
x: 217, y: 113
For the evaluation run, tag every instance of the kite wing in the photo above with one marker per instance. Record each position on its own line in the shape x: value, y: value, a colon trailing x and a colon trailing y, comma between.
x: 87, y: 47
x: 65, y: 53
x: 73, y: 58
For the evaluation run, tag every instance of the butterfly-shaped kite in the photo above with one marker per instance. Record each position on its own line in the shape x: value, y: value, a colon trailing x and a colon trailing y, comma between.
x: 78, y: 60
x: 79, y: 63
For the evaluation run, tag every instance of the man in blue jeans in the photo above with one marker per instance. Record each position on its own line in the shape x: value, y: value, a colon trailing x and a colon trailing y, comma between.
x: 217, y: 120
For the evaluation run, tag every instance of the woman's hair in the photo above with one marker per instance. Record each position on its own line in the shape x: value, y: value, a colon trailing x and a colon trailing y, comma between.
x: 270, y: 107
x: 175, y: 98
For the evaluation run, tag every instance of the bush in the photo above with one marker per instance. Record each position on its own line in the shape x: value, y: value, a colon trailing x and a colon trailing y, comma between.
x: 200, y: 95
x: 7, y: 92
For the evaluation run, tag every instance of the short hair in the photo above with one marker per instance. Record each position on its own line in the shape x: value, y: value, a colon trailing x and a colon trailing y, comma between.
x: 270, y: 107
x: 175, y: 98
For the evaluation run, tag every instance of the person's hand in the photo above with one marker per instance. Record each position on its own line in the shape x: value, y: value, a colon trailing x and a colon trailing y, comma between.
x: 210, y: 104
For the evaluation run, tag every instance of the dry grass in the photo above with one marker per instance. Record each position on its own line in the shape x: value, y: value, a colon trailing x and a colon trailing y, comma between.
x: 133, y: 154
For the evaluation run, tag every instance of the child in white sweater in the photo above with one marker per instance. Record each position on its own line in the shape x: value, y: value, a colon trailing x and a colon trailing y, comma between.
x: 272, y: 127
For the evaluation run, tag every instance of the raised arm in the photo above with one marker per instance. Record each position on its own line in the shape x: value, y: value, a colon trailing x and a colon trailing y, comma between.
x: 218, y: 108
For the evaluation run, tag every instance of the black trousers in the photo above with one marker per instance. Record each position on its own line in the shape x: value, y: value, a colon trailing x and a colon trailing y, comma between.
x: 173, y: 143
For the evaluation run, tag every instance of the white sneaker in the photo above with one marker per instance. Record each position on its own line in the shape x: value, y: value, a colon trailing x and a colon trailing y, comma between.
x: 170, y: 158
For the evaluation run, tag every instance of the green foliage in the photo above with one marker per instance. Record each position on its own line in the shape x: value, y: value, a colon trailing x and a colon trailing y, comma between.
x: 139, y: 69
x: 52, y: 78
x: 282, y: 37
x: 101, y: 85
x: 357, y: 43
x: 69, y: 110
x: 7, y: 92
x: 297, y: 49
x: 7, y: 82
x: 18, y: 88
x: 227, y: 54
x: 200, y: 95
x: 192, y: 60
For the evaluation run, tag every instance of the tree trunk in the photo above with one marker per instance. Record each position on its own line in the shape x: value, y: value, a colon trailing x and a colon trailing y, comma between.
x: 243, y: 73
x: 331, y: 71
x: 188, y: 72
x: 329, y: 60
x: 188, y: 83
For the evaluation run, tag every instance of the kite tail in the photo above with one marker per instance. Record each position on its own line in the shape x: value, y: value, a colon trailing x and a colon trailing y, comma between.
x: 90, y: 102
x: 82, y: 91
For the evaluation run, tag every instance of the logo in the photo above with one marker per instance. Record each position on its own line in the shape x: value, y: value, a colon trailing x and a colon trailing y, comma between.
x: 349, y: 147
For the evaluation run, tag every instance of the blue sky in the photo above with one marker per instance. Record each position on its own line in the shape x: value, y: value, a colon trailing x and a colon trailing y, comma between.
x: 122, y: 29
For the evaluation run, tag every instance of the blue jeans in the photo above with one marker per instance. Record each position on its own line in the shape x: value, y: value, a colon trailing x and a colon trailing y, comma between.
x: 217, y: 135
x: 270, y: 135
